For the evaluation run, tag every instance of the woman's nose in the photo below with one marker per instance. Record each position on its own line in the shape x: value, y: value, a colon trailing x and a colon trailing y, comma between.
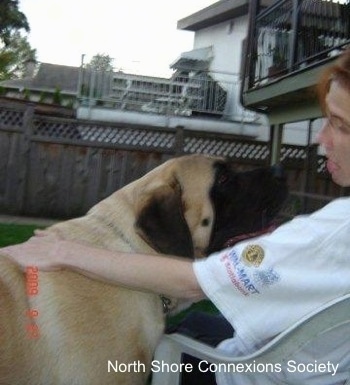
x: 324, y: 136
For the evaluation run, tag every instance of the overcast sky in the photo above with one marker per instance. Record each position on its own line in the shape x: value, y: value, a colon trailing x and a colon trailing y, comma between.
x: 140, y: 35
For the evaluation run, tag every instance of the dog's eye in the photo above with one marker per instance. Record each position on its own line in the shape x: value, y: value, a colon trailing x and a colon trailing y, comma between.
x: 223, y: 175
x: 205, y: 222
x: 223, y: 179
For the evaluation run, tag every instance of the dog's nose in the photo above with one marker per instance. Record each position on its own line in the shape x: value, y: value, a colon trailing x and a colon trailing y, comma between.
x: 278, y: 171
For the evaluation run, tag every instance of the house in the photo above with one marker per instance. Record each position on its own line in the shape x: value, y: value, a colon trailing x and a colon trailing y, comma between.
x: 214, y: 66
x: 45, y: 83
x: 202, y: 93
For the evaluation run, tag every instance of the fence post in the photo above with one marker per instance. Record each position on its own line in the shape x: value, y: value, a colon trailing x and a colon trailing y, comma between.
x: 24, y: 155
x: 179, y: 140
x: 276, y: 134
x: 310, y: 174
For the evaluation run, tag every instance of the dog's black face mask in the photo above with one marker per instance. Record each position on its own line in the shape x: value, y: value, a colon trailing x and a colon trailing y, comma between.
x: 244, y: 203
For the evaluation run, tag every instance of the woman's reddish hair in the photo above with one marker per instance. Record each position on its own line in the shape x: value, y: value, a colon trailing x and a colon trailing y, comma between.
x: 339, y: 71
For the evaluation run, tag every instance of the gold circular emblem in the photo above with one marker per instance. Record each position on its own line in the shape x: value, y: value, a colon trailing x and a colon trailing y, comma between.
x: 253, y: 255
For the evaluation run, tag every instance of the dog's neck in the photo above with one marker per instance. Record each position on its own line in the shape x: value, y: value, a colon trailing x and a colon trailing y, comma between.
x: 113, y: 226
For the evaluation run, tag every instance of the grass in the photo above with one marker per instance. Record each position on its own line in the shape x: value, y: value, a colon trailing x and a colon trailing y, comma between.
x: 203, y: 306
x: 11, y: 234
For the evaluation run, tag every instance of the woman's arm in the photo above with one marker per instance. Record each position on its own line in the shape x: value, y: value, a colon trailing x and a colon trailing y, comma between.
x: 170, y: 276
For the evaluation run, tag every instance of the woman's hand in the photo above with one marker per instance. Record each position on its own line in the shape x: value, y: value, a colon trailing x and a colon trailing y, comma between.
x: 40, y: 251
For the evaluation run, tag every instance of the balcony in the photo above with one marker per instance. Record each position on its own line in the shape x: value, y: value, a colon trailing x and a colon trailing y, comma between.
x: 289, y: 43
x: 190, y: 98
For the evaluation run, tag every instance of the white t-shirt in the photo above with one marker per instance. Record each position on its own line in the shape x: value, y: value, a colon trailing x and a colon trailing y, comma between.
x: 264, y: 285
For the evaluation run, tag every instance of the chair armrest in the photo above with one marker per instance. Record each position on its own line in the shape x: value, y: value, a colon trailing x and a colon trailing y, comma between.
x: 171, y: 347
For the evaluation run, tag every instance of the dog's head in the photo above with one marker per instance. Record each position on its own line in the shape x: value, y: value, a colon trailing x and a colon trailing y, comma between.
x: 194, y: 205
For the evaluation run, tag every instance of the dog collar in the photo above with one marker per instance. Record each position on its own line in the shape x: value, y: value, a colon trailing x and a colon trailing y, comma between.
x: 167, y: 305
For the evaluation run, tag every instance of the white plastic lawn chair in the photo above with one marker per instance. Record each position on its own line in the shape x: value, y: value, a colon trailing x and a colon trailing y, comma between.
x: 333, y: 315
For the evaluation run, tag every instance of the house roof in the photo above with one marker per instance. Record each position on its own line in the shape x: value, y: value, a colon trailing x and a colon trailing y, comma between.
x: 216, y: 13
x: 48, y: 78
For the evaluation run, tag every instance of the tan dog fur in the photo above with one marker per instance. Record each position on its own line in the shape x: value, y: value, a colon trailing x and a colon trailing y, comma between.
x: 84, y: 323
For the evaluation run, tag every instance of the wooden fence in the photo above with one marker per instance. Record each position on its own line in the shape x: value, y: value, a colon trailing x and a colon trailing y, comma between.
x: 59, y: 167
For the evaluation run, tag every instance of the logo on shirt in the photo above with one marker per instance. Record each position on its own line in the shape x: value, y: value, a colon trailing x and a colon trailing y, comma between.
x: 266, y: 277
x: 237, y: 273
x: 245, y: 279
x: 253, y: 255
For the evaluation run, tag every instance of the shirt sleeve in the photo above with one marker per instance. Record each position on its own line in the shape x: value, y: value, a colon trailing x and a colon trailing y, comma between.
x: 263, y: 285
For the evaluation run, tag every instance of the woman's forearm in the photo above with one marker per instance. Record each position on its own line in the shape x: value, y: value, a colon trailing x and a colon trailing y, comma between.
x: 172, y: 277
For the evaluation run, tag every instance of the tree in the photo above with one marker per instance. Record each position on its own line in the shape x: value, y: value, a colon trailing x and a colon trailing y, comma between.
x: 101, y: 62
x: 14, y: 57
x: 15, y: 49
x: 11, y: 20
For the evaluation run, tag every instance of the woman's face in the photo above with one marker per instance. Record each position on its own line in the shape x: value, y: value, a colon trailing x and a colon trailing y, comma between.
x: 335, y: 134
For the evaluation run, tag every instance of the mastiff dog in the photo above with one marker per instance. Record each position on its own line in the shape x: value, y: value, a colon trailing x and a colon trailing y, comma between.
x: 189, y: 206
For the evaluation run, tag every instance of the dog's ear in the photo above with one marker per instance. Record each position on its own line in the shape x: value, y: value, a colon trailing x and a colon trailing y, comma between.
x: 161, y: 222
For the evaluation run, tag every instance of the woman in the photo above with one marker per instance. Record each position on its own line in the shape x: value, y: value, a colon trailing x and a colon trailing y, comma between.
x: 297, y: 268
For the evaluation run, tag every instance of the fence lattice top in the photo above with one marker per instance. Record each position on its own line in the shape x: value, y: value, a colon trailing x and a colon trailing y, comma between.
x: 168, y: 140
x: 11, y: 118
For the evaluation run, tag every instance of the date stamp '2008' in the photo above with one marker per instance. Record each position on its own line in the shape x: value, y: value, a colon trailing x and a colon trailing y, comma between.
x: 32, y: 288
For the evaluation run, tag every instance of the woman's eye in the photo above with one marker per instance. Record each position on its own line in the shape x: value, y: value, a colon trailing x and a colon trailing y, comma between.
x: 339, y: 125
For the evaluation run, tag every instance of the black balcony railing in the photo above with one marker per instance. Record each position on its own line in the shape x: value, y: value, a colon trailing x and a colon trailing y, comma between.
x: 291, y: 35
